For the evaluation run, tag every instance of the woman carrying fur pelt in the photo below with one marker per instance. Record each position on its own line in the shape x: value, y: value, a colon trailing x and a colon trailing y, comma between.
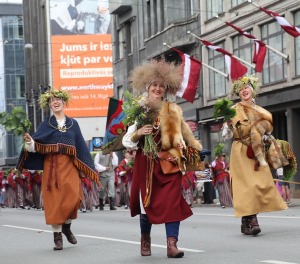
x: 155, y: 196
x: 253, y: 189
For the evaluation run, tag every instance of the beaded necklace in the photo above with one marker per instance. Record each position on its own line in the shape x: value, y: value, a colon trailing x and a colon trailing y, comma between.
x: 61, y: 126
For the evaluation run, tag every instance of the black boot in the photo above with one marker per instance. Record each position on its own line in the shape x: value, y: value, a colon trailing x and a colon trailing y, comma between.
x: 112, y: 203
x: 101, y: 205
x: 66, y: 230
x: 58, y: 242
x: 254, y: 227
x: 245, y: 227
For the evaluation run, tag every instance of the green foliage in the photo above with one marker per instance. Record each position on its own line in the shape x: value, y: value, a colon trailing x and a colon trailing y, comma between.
x: 218, y: 150
x: 136, y: 109
x: 222, y: 109
x: 15, y: 121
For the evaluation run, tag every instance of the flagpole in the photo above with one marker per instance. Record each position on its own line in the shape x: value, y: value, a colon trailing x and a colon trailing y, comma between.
x: 204, y: 64
x: 276, y: 51
x: 267, y: 46
x: 233, y: 56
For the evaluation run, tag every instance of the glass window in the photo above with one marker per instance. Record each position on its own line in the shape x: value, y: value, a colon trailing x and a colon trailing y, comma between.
x: 275, y: 65
x: 297, y: 44
x: 243, y: 48
x: 217, y: 83
x: 214, y: 7
x: 237, y: 2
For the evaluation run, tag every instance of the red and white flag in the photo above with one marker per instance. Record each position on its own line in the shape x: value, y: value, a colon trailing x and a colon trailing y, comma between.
x: 260, y: 49
x: 191, y: 75
x: 235, y: 68
x: 286, y: 26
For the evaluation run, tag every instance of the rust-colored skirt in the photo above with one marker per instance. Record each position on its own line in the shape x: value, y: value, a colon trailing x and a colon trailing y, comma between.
x: 61, y: 189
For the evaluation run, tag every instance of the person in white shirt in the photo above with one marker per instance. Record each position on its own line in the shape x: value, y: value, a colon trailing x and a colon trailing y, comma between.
x: 105, y: 165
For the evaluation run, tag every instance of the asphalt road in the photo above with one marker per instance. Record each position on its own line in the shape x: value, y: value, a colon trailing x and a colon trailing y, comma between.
x: 211, y: 235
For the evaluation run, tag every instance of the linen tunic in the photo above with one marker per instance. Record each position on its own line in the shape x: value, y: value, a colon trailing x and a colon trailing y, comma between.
x: 252, y: 191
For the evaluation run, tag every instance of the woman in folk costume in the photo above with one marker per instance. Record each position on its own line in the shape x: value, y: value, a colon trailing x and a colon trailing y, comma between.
x: 253, y: 188
x: 219, y: 169
x: 155, y: 196
x: 59, y: 149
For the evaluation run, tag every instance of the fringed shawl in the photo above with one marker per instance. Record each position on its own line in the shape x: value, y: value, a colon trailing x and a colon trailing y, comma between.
x: 48, y: 139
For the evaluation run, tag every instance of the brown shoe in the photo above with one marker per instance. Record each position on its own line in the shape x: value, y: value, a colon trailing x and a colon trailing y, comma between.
x: 254, y: 227
x: 66, y: 230
x: 58, y: 241
x: 172, y: 250
x: 245, y: 227
x: 145, y: 245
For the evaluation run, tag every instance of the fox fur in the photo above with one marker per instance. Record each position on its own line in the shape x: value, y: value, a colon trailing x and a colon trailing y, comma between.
x: 259, y: 128
x: 175, y: 131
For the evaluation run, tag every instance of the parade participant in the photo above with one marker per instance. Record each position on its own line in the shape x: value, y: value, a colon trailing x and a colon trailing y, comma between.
x: 219, y: 169
x: 36, y: 188
x: 59, y: 149
x: 156, y: 196
x: 253, y: 189
x: 105, y: 165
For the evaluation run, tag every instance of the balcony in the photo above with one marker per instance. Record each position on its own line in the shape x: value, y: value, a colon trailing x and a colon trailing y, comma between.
x: 119, y: 7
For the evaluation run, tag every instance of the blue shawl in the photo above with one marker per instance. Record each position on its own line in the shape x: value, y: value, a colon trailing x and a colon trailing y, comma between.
x: 48, y: 139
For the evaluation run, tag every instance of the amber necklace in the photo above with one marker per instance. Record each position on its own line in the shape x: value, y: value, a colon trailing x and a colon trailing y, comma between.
x: 61, y: 126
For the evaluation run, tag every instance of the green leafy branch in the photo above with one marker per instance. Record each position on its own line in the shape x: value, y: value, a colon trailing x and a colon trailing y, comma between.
x: 222, y: 108
x: 15, y: 121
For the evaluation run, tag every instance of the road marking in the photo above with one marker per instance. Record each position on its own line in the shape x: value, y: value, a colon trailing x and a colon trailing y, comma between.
x: 259, y: 215
x: 277, y: 262
x: 105, y: 238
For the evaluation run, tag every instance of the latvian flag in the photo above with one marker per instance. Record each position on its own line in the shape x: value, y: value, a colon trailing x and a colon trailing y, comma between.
x: 191, y: 75
x: 235, y: 68
x: 286, y: 26
x: 260, y: 49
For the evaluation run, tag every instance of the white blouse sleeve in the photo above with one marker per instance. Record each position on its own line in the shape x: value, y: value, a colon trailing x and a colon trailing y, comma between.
x: 126, y: 141
x: 227, y: 133
x: 30, y: 146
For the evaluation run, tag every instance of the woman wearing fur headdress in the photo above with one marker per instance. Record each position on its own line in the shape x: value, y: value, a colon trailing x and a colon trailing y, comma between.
x: 155, y: 196
x: 253, y: 189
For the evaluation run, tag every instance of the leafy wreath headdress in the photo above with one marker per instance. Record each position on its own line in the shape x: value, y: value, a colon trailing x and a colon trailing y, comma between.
x: 251, y: 80
x: 52, y: 93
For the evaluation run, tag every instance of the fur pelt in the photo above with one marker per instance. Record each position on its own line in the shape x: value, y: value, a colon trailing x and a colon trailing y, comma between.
x: 260, y: 127
x: 175, y: 131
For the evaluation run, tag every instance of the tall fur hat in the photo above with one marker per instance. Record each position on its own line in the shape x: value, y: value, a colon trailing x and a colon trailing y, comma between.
x: 162, y: 71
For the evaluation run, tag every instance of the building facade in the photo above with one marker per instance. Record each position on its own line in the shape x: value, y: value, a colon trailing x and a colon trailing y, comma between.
x: 141, y: 28
x: 12, y: 76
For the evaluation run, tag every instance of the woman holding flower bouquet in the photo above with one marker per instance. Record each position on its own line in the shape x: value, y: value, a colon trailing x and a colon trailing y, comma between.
x: 155, y: 195
x: 58, y: 148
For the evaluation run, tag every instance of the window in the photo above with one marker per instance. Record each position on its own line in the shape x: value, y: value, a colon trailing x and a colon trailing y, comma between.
x: 275, y: 65
x: 128, y: 37
x: 148, y: 20
x: 243, y: 48
x: 237, y: 2
x: 120, y: 92
x: 297, y: 44
x: 214, y: 7
x: 162, y: 15
x: 216, y: 81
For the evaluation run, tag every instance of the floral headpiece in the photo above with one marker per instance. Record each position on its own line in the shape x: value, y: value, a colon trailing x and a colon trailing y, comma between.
x: 237, y: 85
x: 218, y: 150
x: 52, y: 93
x: 162, y: 71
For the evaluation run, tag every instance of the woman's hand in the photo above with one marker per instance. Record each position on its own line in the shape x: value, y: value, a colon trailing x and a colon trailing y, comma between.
x: 27, y: 137
x: 145, y: 130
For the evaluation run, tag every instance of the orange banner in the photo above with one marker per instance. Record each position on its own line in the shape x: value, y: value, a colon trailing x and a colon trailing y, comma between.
x: 82, y: 65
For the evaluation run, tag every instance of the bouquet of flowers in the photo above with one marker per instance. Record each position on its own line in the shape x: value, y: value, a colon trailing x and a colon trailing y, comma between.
x: 136, y: 110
